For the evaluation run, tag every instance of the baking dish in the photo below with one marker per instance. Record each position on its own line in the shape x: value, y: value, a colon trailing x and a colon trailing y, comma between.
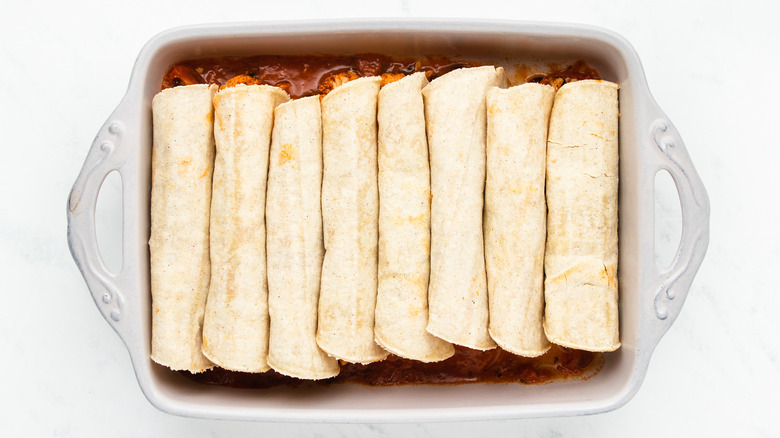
x: 650, y: 297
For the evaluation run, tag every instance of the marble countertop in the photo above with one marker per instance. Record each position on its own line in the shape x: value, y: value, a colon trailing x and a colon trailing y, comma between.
x: 710, y: 65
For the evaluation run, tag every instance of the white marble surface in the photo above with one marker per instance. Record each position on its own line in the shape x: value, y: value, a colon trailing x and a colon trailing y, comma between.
x: 712, y: 66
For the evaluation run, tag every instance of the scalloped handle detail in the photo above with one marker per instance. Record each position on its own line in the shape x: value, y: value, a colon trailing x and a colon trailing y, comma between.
x: 104, y: 156
x: 673, y: 283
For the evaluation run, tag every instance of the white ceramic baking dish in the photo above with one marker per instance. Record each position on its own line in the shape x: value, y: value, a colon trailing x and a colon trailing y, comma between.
x: 650, y: 298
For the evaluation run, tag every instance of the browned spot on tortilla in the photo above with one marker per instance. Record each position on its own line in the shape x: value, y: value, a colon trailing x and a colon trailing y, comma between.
x: 287, y: 154
x: 611, y: 271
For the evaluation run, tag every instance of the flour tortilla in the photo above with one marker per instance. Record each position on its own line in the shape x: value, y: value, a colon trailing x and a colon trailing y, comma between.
x: 235, y: 329
x: 456, y: 126
x: 404, y: 225
x: 515, y: 215
x: 182, y: 165
x: 350, y: 214
x: 581, y: 256
x: 294, y: 241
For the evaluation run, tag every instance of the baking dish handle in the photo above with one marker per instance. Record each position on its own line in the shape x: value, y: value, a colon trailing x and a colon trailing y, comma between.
x: 671, y: 285
x: 108, y: 153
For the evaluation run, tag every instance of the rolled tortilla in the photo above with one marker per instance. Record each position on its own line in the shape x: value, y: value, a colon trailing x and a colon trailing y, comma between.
x: 456, y: 125
x: 581, y: 256
x: 294, y: 241
x: 404, y: 225
x: 349, y: 218
x: 235, y: 329
x: 515, y: 215
x: 182, y: 165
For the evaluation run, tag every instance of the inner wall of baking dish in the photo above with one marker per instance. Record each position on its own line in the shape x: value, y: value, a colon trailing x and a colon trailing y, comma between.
x: 502, y: 47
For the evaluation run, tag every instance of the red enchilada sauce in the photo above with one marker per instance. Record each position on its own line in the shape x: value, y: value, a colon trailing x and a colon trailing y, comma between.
x: 308, y: 75
x: 560, y: 75
x: 301, y: 75
x: 466, y: 366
